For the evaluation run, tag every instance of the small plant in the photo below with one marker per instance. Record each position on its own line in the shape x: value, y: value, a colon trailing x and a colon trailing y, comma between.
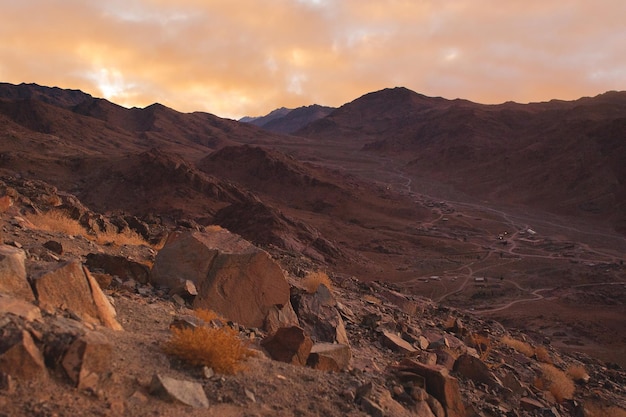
x: 208, y: 316
x: 314, y: 279
x: 542, y: 354
x: 598, y: 410
x: 518, y: 345
x: 217, y: 347
x: 125, y: 237
x: 556, y: 381
x: 577, y: 373
x: 57, y: 221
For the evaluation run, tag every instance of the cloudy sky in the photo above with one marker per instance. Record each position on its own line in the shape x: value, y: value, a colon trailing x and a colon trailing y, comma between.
x: 247, y: 57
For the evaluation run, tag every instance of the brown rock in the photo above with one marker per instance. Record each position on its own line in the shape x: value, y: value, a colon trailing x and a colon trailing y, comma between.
x: 233, y: 277
x: 280, y: 317
x: 393, y: 408
x: 530, y: 404
x: 23, y: 360
x: 87, y: 358
x: 435, y: 406
x: 402, y: 301
x: 476, y: 370
x: 511, y: 382
x: 187, y: 289
x: 396, y: 343
x: 106, y: 312
x: 371, y: 408
x: 104, y: 280
x: 71, y: 287
x: 13, y: 273
x: 185, y: 392
x: 288, y: 344
x: 422, y: 342
x: 119, y: 266
x: 329, y: 357
x: 319, y: 316
x: 422, y: 409
x: 7, y: 384
x: 54, y: 246
x: 19, y: 308
x: 439, y: 384
x: 445, y: 359
x: 5, y: 202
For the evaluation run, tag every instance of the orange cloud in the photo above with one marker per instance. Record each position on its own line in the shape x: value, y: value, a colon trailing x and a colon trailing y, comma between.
x: 248, y: 57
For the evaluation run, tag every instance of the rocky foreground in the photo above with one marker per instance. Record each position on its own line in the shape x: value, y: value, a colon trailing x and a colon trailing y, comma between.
x: 84, y: 322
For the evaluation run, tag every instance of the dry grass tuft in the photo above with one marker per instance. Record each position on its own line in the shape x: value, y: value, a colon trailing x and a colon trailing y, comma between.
x: 125, y: 237
x: 518, y: 345
x: 217, y: 347
x: 207, y: 316
x: 57, y: 221
x: 314, y: 279
x: 577, y: 372
x: 557, y: 382
x: 542, y: 354
x: 596, y: 410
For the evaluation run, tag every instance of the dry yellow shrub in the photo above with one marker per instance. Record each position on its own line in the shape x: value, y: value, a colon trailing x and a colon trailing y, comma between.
x: 542, y: 354
x: 577, y: 372
x: 518, y: 345
x: 220, y: 348
x: 57, y: 221
x: 125, y: 237
x: 597, y: 410
x: 314, y: 279
x: 207, y: 315
x: 557, y: 382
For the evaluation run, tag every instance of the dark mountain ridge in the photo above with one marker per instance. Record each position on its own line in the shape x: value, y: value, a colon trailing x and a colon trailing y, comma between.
x: 288, y: 121
x: 566, y: 157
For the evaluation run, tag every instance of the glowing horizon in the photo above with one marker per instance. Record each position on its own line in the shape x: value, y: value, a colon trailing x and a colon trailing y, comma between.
x: 248, y: 58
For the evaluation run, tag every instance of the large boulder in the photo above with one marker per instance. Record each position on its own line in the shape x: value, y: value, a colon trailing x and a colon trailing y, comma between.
x: 319, y: 316
x: 13, y: 273
x: 476, y: 370
x: 71, y: 287
x: 233, y: 277
x: 439, y: 384
x: 19, y: 307
x: 189, y: 393
x: 288, y: 344
x: 119, y: 266
x: 329, y: 357
x: 22, y: 359
x: 87, y: 359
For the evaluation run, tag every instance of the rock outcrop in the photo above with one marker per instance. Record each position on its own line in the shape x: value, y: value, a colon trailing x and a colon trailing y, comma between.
x: 289, y: 344
x: 87, y: 358
x: 22, y: 358
x: 234, y: 278
x: 13, y: 273
x: 71, y: 287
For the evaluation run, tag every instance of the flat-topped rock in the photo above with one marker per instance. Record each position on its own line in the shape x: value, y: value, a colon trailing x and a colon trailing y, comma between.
x: 233, y: 277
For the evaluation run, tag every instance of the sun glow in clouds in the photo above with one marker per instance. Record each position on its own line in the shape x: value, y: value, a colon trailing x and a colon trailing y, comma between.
x: 249, y: 57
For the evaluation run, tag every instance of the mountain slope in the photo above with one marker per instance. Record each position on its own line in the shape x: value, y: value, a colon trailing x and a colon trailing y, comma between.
x: 288, y: 121
x: 566, y: 157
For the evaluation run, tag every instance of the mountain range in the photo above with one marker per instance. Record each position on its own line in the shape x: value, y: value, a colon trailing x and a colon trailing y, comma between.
x: 486, y: 208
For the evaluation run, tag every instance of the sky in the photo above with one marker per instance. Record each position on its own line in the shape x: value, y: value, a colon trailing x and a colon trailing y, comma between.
x: 247, y: 57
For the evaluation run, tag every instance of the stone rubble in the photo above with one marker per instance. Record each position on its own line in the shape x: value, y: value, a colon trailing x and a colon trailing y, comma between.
x: 387, y: 353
